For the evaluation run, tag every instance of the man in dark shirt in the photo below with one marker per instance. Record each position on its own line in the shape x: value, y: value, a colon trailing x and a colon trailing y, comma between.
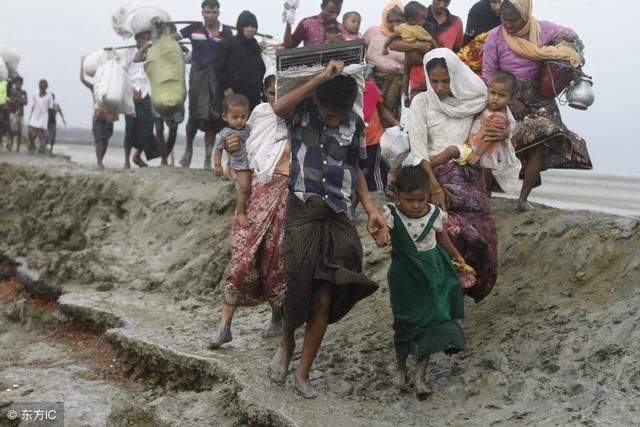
x: 205, y: 93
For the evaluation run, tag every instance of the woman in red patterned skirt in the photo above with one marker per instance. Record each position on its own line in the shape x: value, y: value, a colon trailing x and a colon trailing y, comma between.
x: 257, y: 270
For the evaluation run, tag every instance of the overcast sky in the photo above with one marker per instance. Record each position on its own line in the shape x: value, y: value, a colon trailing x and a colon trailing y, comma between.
x: 51, y: 36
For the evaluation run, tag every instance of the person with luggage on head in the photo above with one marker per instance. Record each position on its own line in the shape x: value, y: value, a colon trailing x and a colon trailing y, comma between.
x: 323, y: 248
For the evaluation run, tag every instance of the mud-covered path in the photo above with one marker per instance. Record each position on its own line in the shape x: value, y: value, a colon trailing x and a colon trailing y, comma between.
x: 141, y: 254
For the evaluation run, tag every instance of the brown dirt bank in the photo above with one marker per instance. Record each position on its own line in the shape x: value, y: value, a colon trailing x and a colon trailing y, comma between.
x: 556, y: 343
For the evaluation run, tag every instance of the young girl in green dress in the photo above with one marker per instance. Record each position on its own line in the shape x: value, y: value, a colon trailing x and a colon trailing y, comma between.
x: 426, y: 297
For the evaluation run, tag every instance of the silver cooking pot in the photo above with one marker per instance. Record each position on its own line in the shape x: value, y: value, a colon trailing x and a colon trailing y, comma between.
x: 580, y: 94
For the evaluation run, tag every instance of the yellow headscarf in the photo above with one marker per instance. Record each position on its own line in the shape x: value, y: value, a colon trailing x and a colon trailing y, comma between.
x: 532, y: 48
x: 385, y: 13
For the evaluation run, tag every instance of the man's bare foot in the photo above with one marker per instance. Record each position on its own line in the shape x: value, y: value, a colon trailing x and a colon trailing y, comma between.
x: 185, y: 161
x: 279, y: 366
x: 273, y: 330
x: 100, y: 165
x: 139, y: 162
x: 422, y: 389
x: 127, y: 165
x: 303, y: 387
x: 223, y: 336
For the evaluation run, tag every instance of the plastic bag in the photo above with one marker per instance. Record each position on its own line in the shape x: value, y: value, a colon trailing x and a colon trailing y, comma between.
x: 166, y: 70
x: 4, y: 71
x: 11, y: 59
x: 93, y: 61
x: 112, y: 88
x: 394, y: 146
x: 131, y: 19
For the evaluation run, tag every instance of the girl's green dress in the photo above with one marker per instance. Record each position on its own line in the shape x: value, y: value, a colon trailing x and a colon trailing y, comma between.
x: 426, y: 297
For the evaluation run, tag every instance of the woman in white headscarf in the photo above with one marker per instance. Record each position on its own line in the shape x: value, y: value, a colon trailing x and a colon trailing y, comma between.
x: 443, y: 116
x: 257, y: 270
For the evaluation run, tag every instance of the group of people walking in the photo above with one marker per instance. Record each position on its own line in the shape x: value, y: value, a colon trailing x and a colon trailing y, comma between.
x: 41, y: 120
x: 477, y: 121
x: 471, y: 125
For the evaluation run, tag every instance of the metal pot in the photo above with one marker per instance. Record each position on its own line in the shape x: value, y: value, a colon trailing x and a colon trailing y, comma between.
x: 580, y: 94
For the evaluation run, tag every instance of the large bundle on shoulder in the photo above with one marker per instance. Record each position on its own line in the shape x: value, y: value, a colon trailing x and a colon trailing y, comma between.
x: 112, y: 88
x: 166, y: 71
x: 134, y: 18
x: 11, y: 59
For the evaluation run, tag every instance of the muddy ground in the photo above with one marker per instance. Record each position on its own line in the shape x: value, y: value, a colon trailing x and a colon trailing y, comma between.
x: 134, y: 260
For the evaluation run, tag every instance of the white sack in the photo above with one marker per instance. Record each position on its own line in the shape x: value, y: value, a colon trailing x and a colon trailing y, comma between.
x: 112, y: 88
x: 11, y: 59
x: 131, y: 19
x: 93, y: 61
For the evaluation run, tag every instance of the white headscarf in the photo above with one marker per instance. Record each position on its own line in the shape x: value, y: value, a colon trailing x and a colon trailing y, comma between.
x: 469, y: 91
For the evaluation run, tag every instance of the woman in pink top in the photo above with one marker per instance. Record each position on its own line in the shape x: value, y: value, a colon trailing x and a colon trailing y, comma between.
x: 520, y: 46
x: 388, y: 68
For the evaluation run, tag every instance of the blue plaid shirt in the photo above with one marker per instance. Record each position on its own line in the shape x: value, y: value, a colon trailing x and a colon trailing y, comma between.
x: 322, y: 157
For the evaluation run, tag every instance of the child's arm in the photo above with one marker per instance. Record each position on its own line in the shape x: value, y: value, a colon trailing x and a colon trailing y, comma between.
x: 443, y: 240
x: 377, y: 227
x: 285, y: 107
x: 217, y: 162
x: 390, y: 39
x: 244, y: 192
x: 386, y: 115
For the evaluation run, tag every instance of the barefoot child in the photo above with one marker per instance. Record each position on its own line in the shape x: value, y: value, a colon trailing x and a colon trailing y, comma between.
x: 426, y: 297
x: 235, y: 111
x: 412, y: 31
x: 351, y: 24
x: 323, y: 251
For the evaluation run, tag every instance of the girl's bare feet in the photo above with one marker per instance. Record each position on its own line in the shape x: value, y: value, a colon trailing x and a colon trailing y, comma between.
x: 400, y: 379
x: 422, y: 389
